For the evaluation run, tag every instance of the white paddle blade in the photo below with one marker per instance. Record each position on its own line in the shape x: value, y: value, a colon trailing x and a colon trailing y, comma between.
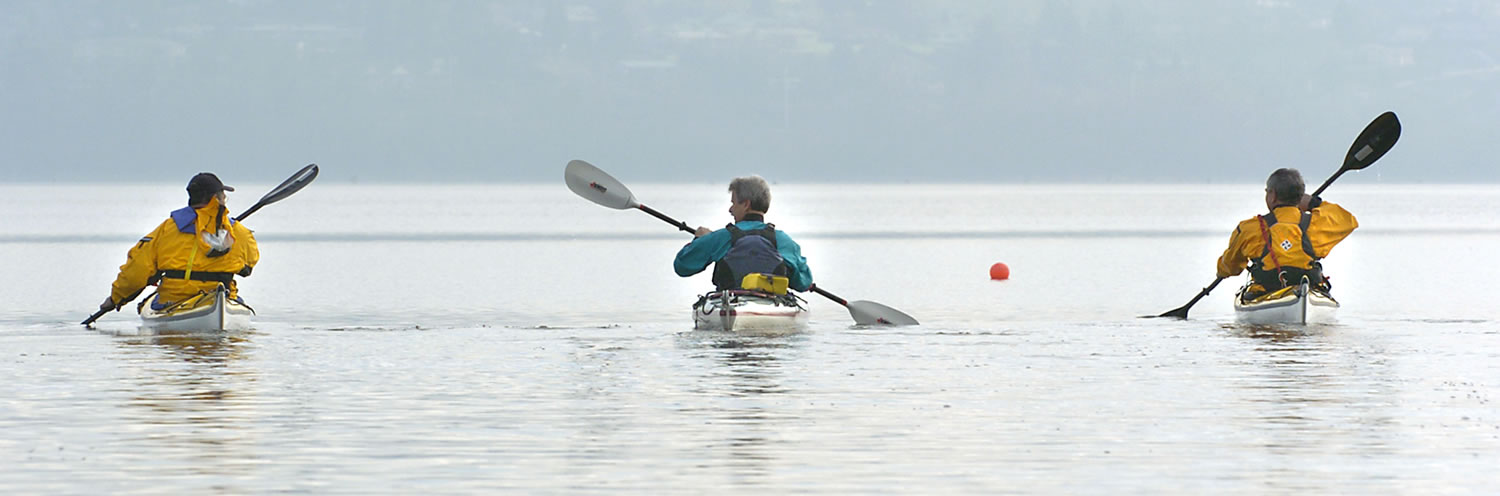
x: 871, y: 313
x: 593, y: 184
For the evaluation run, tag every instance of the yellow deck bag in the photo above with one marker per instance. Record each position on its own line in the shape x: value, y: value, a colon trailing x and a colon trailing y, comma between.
x: 765, y: 282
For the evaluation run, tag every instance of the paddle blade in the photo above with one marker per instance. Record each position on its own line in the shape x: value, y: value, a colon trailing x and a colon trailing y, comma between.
x: 596, y: 186
x: 871, y: 313
x: 1179, y: 313
x: 291, y: 185
x: 1377, y: 138
x: 89, y: 322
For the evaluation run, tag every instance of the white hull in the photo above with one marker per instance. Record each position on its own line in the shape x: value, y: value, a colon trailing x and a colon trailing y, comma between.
x: 1300, y: 305
x: 745, y: 311
x: 210, y: 312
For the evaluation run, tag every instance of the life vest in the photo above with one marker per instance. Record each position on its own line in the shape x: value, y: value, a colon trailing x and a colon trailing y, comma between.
x: 750, y: 252
x: 187, y: 223
x: 1287, y: 256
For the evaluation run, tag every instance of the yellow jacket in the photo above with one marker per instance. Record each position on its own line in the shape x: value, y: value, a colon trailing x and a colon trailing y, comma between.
x: 1329, y: 225
x: 177, y: 245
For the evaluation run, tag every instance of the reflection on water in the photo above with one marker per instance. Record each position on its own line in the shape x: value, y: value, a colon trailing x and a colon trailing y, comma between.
x: 192, y: 398
x: 741, y: 385
x: 1276, y: 333
x: 1317, y: 389
x: 1043, y: 408
x: 197, y: 347
x: 748, y: 365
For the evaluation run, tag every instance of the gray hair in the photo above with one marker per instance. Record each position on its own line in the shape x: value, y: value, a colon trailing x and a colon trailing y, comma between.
x: 753, y: 189
x: 1287, y: 185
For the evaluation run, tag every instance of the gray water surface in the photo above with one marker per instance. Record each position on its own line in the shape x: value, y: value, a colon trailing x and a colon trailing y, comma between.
x: 1102, y: 407
x: 562, y: 365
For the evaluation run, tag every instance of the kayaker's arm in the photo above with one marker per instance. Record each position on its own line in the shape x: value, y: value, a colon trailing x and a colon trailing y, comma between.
x: 1237, y: 255
x: 702, y: 251
x: 1330, y: 224
x: 252, y: 250
x: 140, y: 265
x: 800, y: 277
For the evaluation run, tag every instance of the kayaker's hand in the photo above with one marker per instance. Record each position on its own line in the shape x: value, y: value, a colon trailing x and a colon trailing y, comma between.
x: 701, y: 232
x: 109, y: 304
x: 1309, y: 202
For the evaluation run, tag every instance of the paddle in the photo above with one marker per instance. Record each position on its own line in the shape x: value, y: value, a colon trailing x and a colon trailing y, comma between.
x: 1373, y: 142
x: 1377, y: 138
x: 288, y: 187
x: 869, y: 312
x: 599, y: 187
x: 595, y: 185
x: 1182, y: 311
x: 291, y: 185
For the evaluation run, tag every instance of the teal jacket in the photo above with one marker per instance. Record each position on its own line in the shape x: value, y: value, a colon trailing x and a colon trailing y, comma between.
x: 697, y: 255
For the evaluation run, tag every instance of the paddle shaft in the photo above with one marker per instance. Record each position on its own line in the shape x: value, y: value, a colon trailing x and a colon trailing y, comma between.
x: 247, y: 213
x: 830, y: 296
x: 1329, y: 181
x: 680, y: 224
x: 1201, y: 294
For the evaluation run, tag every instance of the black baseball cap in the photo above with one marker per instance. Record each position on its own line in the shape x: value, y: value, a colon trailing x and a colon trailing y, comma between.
x: 204, y: 185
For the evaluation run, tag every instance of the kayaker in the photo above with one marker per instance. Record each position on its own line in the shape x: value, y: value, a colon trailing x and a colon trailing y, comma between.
x: 749, y: 245
x: 197, y: 248
x: 1274, y: 247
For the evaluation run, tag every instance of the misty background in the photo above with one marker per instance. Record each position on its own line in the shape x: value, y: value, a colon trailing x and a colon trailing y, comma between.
x: 795, y: 90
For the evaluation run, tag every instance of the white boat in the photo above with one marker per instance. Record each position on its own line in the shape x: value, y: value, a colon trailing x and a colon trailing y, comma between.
x: 1300, y: 304
x: 741, y: 310
x: 210, y: 311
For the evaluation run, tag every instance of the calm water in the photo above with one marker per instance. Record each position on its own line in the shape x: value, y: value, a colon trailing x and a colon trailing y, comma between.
x: 458, y: 339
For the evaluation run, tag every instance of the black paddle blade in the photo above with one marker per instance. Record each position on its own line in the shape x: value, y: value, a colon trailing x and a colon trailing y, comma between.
x: 1180, y: 313
x: 291, y: 185
x: 90, y: 321
x: 1377, y: 138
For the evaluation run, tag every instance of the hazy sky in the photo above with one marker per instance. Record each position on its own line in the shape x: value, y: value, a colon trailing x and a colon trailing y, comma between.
x: 797, y: 91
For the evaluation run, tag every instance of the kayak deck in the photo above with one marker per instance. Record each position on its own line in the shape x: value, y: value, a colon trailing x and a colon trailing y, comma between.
x: 1299, y: 304
x: 743, y: 310
x: 209, y: 311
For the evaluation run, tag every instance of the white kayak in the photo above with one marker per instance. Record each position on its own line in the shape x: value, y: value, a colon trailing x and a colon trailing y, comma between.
x: 211, y: 311
x: 1300, y: 304
x: 741, y: 310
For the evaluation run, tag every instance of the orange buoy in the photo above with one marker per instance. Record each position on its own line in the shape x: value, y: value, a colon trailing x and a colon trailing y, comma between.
x: 999, y: 271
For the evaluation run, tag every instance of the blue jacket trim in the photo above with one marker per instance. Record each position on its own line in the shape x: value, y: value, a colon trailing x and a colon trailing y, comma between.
x: 186, y: 219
